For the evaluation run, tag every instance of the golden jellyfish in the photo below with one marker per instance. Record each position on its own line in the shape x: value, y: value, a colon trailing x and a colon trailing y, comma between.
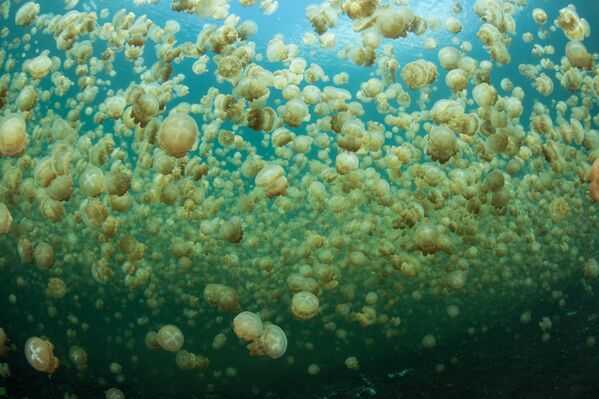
x: 56, y: 288
x: 40, y: 355
x: 418, y: 74
x: 271, y: 179
x: 229, y: 67
x: 61, y: 188
x: 264, y: 118
x: 578, y: 56
x: 352, y: 363
x: 78, y: 357
x: 5, y: 219
x: 273, y: 341
x: 456, y: 80
x: 429, y: 341
x: 357, y: 9
x: 3, y: 340
x: 118, y: 180
x: 395, y: 23
x: 185, y: 360
x: 574, y: 27
x: 594, y: 179
x: 247, y: 325
x: 114, y: 393
x: 295, y: 113
x: 304, y: 305
x: 27, y: 99
x: 13, y: 136
x: 178, y: 134
x: 115, y: 106
x: 346, y: 162
x: 91, y: 181
x: 590, y: 268
x: 151, y: 340
x: 43, y: 255
x: 453, y: 311
x: 27, y: 13
x: 226, y: 298
x: 39, y: 66
x: 427, y: 238
x: 484, y: 95
x: 232, y: 230
x: 449, y: 58
x: 456, y: 279
x: 544, y: 84
x: 170, y: 338
x: 453, y: 25
x: 539, y: 15
x: 442, y: 144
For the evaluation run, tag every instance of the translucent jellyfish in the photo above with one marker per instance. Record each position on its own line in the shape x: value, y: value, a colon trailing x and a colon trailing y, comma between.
x: 178, y: 134
x: 429, y: 341
x: 224, y: 297
x: 43, y: 255
x: 594, y: 179
x: 229, y: 67
x: 304, y: 305
x: 426, y: 238
x: 27, y: 13
x: 5, y: 219
x: 346, y: 162
x: 39, y: 66
x: 273, y: 341
x: 3, y: 341
x: 247, y: 325
x: 170, y: 338
x: 484, y: 94
x: 40, y: 355
x: 91, y: 181
x: 114, y: 393
x: 442, y: 143
x: 271, y: 179
x: 13, y: 136
x: 357, y: 9
x: 418, y: 74
x: 395, y: 23
x: 78, y: 357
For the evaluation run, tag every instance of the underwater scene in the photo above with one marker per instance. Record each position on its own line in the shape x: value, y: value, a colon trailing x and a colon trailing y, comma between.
x: 299, y: 199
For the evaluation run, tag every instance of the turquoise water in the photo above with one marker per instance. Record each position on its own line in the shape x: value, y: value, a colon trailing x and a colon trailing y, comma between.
x: 403, y: 251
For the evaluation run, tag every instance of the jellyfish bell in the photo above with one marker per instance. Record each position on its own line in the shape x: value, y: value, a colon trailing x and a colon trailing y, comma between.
x: 271, y: 179
x: 247, y: 325
x: 39, y: 67
x: 273, y: 341
x: 170, y: 338
x: 594, y: 179
x: 40, y: 355
x: 13, y: 135
x: 3, y: 341
x: 442, y: 144
x: 5, y: 219
x: 178, y: 134
x: 304, y: 305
